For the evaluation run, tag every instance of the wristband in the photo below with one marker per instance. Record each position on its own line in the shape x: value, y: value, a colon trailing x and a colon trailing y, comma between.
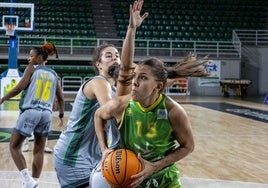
x: 61, y: 115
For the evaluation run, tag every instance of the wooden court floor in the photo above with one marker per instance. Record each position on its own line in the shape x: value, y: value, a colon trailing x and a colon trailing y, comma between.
x: 231, y: 151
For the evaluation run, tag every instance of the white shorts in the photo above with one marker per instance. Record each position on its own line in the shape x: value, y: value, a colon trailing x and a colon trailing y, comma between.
x: 97, y: 180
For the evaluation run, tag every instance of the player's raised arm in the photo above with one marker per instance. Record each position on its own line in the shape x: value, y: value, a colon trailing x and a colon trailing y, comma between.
x: 128, y: 49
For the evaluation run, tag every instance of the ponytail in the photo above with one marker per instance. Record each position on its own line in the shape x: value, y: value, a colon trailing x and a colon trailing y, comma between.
x: 190, y: 66
x: 47, y: 49
x: 50, y: 49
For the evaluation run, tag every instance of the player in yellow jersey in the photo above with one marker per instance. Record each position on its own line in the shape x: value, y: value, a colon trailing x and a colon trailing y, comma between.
x: 39, y: 86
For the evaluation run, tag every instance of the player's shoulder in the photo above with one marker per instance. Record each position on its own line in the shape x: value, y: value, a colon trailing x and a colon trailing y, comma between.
x: 173, y: 104
x: 98, y: 85
x: 98, y: 81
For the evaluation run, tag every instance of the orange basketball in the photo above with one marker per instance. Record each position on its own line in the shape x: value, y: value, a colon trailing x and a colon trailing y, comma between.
x: 119, y: 166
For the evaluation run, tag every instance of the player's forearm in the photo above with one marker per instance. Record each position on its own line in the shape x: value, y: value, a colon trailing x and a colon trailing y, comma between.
x: 100, y: 131
x: 61, y: 103
x: 127, y: 58
x: 11, y: 94
x: 128, y: 48
x: 61, y: 106
x: 178, y: 154
x: 102, y: 140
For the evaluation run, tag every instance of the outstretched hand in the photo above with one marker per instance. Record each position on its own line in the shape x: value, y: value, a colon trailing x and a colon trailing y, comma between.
x: 135, y: 18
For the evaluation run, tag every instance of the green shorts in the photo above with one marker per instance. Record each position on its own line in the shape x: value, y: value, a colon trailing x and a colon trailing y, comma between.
x: 168, y: 177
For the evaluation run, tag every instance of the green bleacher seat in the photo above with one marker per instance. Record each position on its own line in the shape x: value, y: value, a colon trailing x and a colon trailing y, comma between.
x: 190, y: 18
x: 168, y: 19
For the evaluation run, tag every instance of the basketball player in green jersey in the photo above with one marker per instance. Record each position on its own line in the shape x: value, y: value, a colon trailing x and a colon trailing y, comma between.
x: 151, y: 124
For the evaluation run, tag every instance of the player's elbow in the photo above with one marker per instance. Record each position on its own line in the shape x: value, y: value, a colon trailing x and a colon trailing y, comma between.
x: 97, y: 117
x: 192, y: 147
x: 189, y: 147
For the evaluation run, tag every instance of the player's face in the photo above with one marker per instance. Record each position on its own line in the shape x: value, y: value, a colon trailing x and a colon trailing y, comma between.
x: 109, y: 57
x: 33, y: 58
x: 144, y: 86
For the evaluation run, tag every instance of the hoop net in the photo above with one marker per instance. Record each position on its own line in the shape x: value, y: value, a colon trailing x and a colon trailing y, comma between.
x: 10, y: 29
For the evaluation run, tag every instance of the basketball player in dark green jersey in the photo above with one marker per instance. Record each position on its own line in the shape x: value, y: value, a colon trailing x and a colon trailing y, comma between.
x: 151, y: 124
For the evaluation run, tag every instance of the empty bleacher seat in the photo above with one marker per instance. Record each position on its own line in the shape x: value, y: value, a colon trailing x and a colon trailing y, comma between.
x: 196, y: 19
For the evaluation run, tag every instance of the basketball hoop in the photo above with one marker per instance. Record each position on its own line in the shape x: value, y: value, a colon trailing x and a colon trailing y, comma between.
x: 10, y: 29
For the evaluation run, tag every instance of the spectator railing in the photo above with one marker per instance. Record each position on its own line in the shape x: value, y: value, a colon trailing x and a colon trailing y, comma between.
x: 168, y: 48
x: 251, y: 37
x: 71, y: 84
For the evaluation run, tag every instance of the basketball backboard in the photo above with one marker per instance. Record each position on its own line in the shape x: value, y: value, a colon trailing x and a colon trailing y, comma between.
x: 19, y: 15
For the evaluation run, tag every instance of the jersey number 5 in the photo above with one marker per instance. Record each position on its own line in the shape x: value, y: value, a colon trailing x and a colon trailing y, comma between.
x: 151, y: 131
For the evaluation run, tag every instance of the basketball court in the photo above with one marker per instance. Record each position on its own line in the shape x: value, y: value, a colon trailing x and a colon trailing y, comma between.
x: 231, y: 148
x: 231, y: 134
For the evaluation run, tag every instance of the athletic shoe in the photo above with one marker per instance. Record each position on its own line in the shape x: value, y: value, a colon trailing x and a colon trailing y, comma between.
x: 30, y: 184
x: 48, y: 150
x: 25, y: 145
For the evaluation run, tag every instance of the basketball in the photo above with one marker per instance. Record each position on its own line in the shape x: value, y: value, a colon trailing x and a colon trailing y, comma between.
x: 119, y: 166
